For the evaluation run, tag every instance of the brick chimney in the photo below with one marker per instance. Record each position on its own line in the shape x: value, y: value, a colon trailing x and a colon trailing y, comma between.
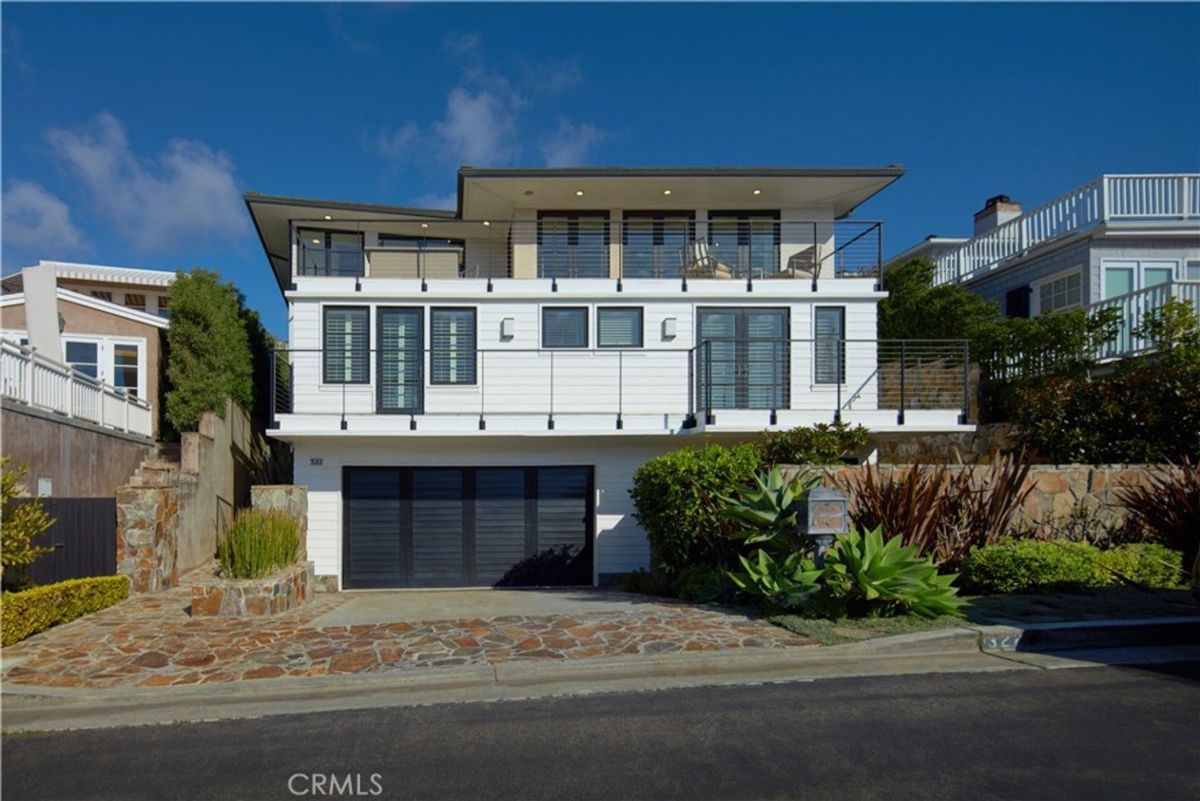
x: 996, y: 211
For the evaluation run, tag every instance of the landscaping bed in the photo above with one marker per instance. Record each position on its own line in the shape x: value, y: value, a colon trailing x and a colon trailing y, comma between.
x: 280, y: 592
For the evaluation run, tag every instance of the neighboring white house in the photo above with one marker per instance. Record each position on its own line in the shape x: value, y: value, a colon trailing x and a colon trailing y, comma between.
x: 1123, y: 241
x: 83, y: 335
x: 466, y: 389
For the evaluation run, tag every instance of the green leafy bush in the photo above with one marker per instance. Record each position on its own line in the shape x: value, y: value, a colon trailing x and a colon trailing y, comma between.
x: 1168, y: 509
x: 678, y: 501
x: 215, y: 348
x: 21, y: 519
x: 1052, y: 565
x: 766, y: 512
x: 874, y: 578
x: 916, y: 309
x: 28, y: 612
x: 782, y: 583
x: 259, y: 543
x: 645, y: 582
x: 702, y: 584
x: 819, y: 445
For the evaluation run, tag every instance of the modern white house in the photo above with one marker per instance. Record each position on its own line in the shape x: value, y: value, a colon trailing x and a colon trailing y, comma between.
x: 1118, y: 241
x: 467, y: 389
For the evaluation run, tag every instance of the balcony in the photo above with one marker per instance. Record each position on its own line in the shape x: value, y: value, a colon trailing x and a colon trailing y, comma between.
x: 37, y: 382
x: 731, y: 385
x: 1106, y: 200
x: 735, y: 248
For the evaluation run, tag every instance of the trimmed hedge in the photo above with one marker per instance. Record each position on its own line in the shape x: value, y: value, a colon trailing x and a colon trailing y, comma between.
x: 25, y: 613
x: 677, y: 497
x: 1047, y: 566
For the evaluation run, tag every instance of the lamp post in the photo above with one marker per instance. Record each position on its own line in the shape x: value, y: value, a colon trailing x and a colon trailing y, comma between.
x: 824, y: 514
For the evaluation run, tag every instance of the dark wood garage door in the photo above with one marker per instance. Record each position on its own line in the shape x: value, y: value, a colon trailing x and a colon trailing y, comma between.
x: 466, y: 526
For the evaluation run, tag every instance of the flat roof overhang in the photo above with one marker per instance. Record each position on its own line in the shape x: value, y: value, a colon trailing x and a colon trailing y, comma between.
x: 486, y: 193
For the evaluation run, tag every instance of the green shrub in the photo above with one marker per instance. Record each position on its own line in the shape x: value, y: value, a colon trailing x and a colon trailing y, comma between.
x: 31, y: 611
x: 259, y: 543
x: 1167, y: 508
x: 644, y: 582
x: 766, y: 512
x: 1048, y: 566
x: 678, y: 501
x: 23, y: 518
x: 874, y: 578
x: 819, y: 445
x: 702, y: 584
x: 782, y: 583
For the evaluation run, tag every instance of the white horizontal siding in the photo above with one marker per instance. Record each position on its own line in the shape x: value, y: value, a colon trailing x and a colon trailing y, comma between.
x: 621, y: 545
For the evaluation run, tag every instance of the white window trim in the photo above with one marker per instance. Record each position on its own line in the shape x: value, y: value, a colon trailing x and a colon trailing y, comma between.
x: 105, y: 353
x: 1139, y: 267
x: 1035, y: 287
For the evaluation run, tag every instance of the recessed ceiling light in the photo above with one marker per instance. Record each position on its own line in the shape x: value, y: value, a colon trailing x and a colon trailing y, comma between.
x: 487, y: 222
x: 578, y: 193
x: 758, y: 191
x: 666, y: 191
x: 328, y: 217
x: 424, y: 225
x: 316, y: 241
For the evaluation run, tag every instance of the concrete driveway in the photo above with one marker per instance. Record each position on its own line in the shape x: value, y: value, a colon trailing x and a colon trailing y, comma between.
x: 374, y: 607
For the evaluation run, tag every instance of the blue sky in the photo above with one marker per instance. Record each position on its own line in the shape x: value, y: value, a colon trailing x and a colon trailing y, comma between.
x: 130, y: 132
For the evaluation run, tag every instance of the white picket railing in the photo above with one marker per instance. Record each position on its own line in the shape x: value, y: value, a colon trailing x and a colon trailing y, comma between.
x: 1108, y: 198
x: 1134, y: 306
x: 30, y: 378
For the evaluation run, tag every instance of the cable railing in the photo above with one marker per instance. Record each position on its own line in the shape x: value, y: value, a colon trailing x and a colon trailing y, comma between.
x: 556, y: 248
x: 31, y: 379
x: 619, y: 388
x: 1109, y: 198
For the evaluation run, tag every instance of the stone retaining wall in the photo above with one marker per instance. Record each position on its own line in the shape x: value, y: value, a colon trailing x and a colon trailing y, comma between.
x: 265, y: 597
x: 1058, y: 490
x: 969, y: 447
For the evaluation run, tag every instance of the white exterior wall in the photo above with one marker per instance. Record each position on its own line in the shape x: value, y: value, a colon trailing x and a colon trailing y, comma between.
x: 515, y: 374
x: 621, y: 546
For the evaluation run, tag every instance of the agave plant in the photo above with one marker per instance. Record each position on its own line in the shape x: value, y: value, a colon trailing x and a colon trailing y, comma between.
x: 781, y: 583
x: 766, y: 512
x: 879, y: 578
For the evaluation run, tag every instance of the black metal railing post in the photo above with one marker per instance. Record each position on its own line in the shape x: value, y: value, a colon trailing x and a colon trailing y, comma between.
x: 708, y: 407
x: 838, y: 378
x: 693, y: 377
x: 482, y: 375
x: 966, y: 383
x: 903, y: 397
x: 620, y: 389
x: 550, y: 421
x: 343, y: 402
x: 274, y: 380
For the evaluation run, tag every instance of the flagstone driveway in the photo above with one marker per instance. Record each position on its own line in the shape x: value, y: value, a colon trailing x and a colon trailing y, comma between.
x: 150, y: 640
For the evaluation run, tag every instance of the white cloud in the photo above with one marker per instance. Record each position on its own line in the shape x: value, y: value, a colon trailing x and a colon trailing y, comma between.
x: 397, y: 144
x: 186, y: 193
x: 37, y: 220
x: 570, y: 144
x: 436, y: 201
x: 465, y: 44
x: 479, y: 128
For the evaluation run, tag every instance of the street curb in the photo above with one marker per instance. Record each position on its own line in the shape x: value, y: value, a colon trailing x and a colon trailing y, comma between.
x: 1091, y: 634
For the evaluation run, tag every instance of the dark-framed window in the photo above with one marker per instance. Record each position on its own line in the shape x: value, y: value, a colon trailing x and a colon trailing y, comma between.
x: 564, y: 327
x: 330, y: 253
x: 452, y: 345
x: 747, y: 241
x: 829, y: 333
x: 573, y: 244
x: 619, y: 327
x: 651, y: 242
x: 346, y: 345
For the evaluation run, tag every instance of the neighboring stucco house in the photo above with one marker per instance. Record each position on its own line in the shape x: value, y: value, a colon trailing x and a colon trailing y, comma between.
x: 108, y: 323
x: 466, y: 389
x: 1124, y: 241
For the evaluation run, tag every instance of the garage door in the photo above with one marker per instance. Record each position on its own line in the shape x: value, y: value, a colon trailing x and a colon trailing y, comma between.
x: 466, y: 526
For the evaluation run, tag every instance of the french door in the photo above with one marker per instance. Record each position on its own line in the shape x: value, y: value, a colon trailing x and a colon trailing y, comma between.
x: 743, y: 358
x: 401, y: 361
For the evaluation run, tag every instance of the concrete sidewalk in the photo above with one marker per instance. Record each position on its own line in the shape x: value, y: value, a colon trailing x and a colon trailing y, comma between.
x: 953, y: 650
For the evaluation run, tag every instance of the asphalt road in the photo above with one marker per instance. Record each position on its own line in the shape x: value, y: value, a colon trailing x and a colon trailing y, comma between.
x: 1120, y: 733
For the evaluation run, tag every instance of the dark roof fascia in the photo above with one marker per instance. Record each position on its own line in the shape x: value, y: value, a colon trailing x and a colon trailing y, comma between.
x: 279, y: 200
x: 890, y: 171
